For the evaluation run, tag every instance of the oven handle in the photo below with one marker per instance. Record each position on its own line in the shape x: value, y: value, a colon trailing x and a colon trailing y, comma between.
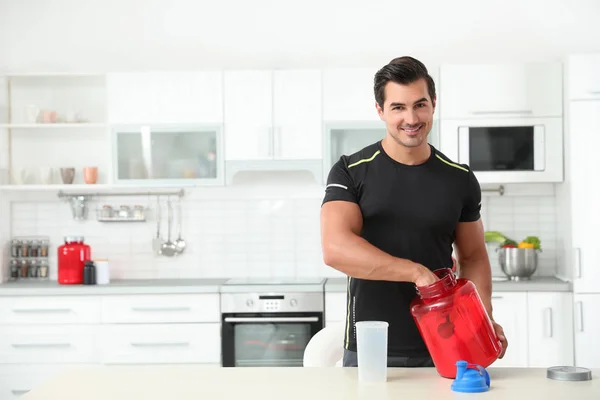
x: 271, y: 319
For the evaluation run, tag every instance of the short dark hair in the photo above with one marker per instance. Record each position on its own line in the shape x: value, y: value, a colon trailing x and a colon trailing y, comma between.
x: 402, y: 70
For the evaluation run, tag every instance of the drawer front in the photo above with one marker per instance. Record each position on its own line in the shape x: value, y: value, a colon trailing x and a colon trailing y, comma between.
x: 169, y: 308
x: 161, y: 344
x: 48, y: 344
x: 49, y: 310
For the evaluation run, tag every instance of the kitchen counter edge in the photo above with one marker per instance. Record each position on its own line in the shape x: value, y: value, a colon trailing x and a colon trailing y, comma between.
x: 537, y: 284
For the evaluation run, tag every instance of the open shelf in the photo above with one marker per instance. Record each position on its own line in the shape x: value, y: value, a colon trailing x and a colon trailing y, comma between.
x: 74, y: 125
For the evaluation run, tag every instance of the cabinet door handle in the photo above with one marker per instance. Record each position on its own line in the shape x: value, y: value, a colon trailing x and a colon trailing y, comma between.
x: 577, y: 262
x: 579, y: 306
x: 161, y: 344
x: 41, y: 310
x: 594, y: 91
x: 159, y: 309
x: 40, y: 345
x: 502, y: 112
x: 548, y: 321
x: 497, y: 297
x: 17, y: 392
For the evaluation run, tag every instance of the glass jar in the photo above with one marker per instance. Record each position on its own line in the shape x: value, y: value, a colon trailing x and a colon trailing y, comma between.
x: 43, y: 271
x: 14, y: 269
x: 15, y: 248
x: 44, y: 245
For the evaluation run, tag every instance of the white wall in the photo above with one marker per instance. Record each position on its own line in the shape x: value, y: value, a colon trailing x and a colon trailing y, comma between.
x: 155, y: 34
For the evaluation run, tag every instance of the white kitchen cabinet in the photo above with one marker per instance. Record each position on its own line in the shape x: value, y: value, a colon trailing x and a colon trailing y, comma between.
x: 510, y: 311
x: 587, y: 330
x: 583, y: 77
x: 166, y: 308
x: 349, y: 94
x: 335, y: 307
x: 16, y: 310
x: 272, y: 115
x: 50, y: 344
x: 165, y: 97
x: 501, y: 90
x: 583, y: 171
x: 550, y: 329
x: 161, y: 344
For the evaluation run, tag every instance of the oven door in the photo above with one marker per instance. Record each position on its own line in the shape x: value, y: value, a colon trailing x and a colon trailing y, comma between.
x: 510, y: 150
x: 267, y: 339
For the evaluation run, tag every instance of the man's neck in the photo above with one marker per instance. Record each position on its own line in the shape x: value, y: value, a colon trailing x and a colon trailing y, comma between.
x: 406, y: 155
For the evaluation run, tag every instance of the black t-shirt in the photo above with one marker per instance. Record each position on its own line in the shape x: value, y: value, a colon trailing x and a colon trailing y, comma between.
x: 411, y: 212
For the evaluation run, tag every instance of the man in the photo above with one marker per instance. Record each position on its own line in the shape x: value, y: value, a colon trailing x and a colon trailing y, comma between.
x: 392, y: 213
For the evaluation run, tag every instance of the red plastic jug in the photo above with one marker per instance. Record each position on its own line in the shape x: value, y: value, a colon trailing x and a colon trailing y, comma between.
x: 72, y: 256
x: 454, y: 324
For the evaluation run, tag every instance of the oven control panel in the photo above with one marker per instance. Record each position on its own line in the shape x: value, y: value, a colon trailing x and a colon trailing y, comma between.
x: 259, y: 302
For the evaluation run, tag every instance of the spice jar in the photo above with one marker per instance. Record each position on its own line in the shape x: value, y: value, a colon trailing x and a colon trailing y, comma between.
x: 138, y: 212
x: 14, y: 269
x: 15, y: 248
x: 124, y: 212
x: 33, y: 269
x: 25, y: 248
x: 24, y: 269
x: 43, y: 271
x: 34, y: 249
x: 107, y: 211
x: 44, y: 248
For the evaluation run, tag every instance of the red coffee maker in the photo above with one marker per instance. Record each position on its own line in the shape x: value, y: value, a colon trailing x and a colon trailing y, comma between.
x: 72, y: 256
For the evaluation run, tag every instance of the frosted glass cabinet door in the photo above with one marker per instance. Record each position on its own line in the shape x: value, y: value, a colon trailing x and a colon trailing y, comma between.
x: 167, y: 154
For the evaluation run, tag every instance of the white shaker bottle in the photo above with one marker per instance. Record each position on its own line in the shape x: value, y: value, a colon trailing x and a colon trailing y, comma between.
x: 102, y: 272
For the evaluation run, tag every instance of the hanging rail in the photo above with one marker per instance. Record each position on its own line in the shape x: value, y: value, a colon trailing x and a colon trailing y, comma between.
x: 500, y: 190
x: 179, y: 193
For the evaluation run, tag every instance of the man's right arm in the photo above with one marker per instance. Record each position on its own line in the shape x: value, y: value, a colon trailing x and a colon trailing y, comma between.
x: 345, y: 250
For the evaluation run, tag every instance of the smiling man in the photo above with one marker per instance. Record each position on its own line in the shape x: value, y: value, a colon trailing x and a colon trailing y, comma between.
x: 392, y: 213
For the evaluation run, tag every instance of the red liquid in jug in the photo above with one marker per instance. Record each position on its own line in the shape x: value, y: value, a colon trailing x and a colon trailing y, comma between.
x: 454, y: 324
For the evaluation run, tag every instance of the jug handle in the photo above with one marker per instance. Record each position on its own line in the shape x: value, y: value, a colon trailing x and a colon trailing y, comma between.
x: 482, y: 371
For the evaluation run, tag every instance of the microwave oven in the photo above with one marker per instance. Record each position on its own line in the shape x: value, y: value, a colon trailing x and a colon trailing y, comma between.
x: 506, y: 150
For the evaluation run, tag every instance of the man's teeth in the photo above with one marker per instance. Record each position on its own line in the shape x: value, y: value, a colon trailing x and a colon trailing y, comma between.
x: 411, y: 130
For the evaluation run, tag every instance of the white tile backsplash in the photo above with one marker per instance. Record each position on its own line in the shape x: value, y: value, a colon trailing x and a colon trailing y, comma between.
x: 242, y: 234
x: 519, y: 217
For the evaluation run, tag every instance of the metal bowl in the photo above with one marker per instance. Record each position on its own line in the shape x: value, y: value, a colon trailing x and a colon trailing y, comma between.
x: 518, y: 264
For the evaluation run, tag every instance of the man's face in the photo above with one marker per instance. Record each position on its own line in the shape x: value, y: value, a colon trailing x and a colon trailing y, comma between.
x: 408, y: 112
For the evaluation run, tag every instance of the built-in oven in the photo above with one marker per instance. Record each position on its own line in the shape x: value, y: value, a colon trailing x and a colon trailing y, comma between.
x: 506, y: 150
x: 268, y: 329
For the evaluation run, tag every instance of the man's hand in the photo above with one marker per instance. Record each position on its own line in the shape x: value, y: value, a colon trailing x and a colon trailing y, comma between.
x: 424, y: 276
x: 500, y: 333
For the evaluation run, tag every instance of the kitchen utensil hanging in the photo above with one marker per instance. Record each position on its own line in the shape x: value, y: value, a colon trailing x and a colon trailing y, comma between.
x: 180, y: 243
x: 158, y: 241
x: 169, y: 248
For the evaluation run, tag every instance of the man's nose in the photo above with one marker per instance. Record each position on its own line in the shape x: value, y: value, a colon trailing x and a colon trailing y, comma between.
x: 410, y: 118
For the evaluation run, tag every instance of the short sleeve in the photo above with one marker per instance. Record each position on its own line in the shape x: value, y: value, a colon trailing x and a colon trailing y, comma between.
x: 340, y: 185
x: 471, y: 210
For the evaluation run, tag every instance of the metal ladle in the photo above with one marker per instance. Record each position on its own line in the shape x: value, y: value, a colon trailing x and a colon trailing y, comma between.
x: 168, y: 248
x: 180, y: 243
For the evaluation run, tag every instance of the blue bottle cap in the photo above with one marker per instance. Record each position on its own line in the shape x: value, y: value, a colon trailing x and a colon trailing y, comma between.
x: 470, y: 378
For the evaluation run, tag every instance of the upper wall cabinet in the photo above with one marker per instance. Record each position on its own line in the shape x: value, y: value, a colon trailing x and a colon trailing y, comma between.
x: 349, y: 95
x: 166, y: 97
x: 273, y: 115
x: 501, y: 90
x: 583, y: 77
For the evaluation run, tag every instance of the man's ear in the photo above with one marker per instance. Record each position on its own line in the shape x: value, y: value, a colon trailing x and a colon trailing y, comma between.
x: 379, y: 110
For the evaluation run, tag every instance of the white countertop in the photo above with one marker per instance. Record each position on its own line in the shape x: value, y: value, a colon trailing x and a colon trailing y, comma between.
x: 183, y: 382
x: 125, y: 286
x: 536, y: 284
x: 191, y: 286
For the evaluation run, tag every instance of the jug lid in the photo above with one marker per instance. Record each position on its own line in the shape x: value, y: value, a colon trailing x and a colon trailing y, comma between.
x: 470, y: 378
x: 566, y: 373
